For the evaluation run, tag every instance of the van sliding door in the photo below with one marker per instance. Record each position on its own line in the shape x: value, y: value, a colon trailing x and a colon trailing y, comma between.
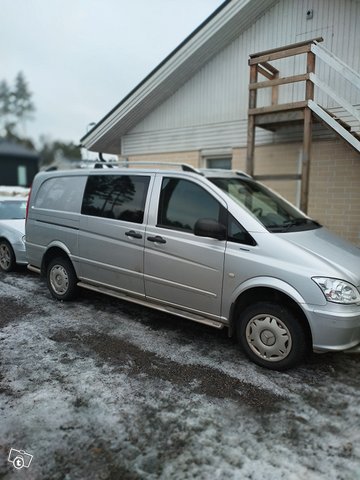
x: 112, y: 231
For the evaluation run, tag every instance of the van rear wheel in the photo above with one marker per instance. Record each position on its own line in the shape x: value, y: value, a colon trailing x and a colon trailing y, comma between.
x: 272, y: 336
x: 61, y: 279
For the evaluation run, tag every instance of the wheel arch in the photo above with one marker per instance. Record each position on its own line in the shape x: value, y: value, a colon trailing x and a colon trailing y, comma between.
x: 7, y: 240
x: 268, y: 293
x: 56, y: 249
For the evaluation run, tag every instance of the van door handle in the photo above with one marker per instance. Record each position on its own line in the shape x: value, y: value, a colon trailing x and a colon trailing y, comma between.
x: 133, y: 234
x: 157, y: 239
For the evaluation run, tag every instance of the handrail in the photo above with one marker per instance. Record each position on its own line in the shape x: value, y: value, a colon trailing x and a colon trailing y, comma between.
x: 286, y: 47
x: 338, y: 98
x: 336, y: 63
x: 321, y: 113
x: 346, y: 72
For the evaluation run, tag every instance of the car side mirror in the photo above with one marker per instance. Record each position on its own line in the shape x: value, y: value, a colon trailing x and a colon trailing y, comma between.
x: 207, y: 227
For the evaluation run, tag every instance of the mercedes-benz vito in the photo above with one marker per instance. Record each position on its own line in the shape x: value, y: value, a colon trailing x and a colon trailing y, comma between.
x: 215, y: 247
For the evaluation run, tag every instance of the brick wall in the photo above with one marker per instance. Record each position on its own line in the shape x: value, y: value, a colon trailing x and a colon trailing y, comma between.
x: 335, y: 188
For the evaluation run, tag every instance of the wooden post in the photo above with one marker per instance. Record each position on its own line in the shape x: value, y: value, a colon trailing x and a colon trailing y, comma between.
x: 306, y: 157
x: 275, y: 91
x: 251, y: 123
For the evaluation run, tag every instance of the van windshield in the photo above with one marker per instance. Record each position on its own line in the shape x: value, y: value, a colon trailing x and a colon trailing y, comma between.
x: 272, y: 211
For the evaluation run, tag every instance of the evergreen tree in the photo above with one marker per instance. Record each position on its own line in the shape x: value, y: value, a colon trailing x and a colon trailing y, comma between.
x: 22, y: 106
x: 16, y: 105
x: 5, y: 99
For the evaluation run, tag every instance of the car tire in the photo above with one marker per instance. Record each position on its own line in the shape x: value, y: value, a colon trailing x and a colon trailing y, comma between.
x: 7, y: 257
x: 272, y: 336
x: 61, y: 279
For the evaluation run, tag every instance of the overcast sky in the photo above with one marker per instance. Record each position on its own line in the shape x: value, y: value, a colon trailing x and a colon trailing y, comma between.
x: 81, y: 57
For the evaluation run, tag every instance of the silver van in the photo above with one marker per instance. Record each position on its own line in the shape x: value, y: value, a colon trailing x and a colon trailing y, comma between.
x: 212, y: 246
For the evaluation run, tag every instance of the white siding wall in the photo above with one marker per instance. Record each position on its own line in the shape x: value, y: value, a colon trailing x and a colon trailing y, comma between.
x: 210, y: 110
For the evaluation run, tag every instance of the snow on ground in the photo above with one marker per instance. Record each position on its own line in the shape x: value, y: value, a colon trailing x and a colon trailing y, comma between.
x: 102, y: 389
x: 13, y: 191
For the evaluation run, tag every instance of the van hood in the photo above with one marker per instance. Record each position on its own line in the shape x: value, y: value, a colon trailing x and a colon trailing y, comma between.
x: 331, y: 249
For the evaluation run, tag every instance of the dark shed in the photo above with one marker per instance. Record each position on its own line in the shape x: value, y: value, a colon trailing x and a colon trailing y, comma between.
x: 18, y: 164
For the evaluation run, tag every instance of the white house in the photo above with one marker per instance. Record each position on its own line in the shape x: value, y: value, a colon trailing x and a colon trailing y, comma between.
x: 195, y: 106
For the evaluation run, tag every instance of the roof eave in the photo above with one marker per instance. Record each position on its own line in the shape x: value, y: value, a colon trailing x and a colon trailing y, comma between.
x: 197, y: 49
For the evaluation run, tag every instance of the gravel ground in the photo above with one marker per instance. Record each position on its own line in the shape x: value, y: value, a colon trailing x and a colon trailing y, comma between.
x: 102, y: 389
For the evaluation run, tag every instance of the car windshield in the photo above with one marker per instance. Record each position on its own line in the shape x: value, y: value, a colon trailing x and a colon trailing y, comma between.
x: 273, y: 212
x: 12, y: 209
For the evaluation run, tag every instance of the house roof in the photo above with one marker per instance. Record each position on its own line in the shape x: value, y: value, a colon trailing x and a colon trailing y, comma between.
x: 215, y: 33
x: 11, y: 149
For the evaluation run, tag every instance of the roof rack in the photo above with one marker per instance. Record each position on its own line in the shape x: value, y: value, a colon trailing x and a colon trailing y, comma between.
x: 242, y: 174
x: 225, y: 171
x: 124, y: 163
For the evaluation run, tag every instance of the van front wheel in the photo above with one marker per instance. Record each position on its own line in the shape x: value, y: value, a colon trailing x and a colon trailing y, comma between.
x: 61, y: 279
x: 271, y: 336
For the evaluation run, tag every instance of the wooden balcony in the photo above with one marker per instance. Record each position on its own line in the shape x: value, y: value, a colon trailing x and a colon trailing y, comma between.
x: 344, y: 120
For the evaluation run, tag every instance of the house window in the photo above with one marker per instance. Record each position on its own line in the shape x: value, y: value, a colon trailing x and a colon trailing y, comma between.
x: 219, y: 162
x: 21, y: 174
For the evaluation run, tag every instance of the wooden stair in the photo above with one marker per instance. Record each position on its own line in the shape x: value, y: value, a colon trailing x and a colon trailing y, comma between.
x: 337, y: 124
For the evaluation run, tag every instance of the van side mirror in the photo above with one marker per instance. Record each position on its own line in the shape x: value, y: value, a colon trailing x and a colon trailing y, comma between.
x: 206, y: 227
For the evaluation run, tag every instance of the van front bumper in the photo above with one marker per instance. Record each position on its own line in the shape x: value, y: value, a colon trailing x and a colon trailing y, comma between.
x: 334, y: 327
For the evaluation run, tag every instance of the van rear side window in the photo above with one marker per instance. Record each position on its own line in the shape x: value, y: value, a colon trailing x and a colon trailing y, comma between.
x: 61, y: 193
x: 121, y: 197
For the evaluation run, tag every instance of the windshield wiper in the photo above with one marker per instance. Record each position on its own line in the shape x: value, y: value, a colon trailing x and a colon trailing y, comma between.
x: 295, y: 222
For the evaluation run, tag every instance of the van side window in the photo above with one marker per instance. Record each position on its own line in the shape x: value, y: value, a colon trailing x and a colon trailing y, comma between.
x: 237, y: 233
x: 121, y: 197
x: 61, y: 193
x: 182, y: 203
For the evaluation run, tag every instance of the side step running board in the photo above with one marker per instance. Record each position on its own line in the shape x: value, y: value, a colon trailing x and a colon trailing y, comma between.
x: 156, y: 306
x: 34, y: 269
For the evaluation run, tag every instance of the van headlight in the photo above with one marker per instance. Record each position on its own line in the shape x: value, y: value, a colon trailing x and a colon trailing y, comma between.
x: 338, y: 291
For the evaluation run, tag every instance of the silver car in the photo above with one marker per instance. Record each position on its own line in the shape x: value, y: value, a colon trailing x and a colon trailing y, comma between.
x: 215, y: 247
x: 12, y: 231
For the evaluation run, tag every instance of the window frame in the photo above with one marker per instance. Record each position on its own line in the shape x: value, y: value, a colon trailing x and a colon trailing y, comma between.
x: 216, y: 158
